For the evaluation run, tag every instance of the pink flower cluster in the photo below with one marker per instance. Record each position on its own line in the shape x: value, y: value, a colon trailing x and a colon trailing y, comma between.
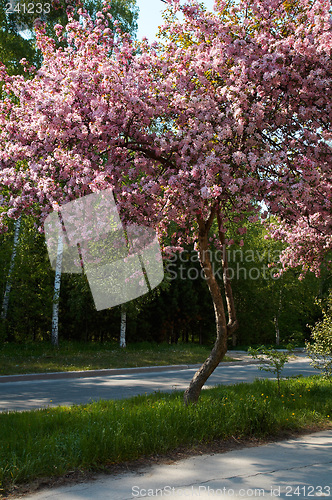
x: 229, y: 109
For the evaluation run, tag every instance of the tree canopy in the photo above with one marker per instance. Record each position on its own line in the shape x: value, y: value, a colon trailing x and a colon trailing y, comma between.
x: 230, y: 109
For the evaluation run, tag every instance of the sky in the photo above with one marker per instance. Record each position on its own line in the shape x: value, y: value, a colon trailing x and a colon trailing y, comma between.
x: 150, y: 16
x: 149, y: 19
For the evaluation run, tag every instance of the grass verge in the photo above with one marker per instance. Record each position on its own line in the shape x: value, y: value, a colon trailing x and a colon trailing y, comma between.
x: 54, y: 441
x: 41, y: 357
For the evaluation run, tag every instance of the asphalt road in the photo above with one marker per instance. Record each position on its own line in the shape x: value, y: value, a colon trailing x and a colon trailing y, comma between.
x: 33, y: 394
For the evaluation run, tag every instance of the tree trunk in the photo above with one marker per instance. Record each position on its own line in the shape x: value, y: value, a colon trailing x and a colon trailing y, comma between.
x: 191, y: 395
x: 232, y: 320
x: 276, y: 319
x: 5, y: 302
x: 277, y: 331
x: 56, y: 294
x: 123, y: 326
x: 223, y: 329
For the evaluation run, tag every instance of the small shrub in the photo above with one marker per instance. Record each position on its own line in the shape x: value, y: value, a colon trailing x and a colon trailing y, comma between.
x: 274, y: 359
x: 320, y: 350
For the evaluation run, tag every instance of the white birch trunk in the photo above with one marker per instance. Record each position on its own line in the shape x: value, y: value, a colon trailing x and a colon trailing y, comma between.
x: 5, y: 302
x: 277, y: 331
x: 56, y: 294
x: 276, y: 320
x: 123, y: 326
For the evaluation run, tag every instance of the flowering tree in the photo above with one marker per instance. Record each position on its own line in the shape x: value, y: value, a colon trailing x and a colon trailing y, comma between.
x: 229, y: 109
x: 19, y: 17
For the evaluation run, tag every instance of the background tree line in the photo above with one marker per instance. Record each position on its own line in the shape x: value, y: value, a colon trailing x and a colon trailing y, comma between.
x: 178, y: 310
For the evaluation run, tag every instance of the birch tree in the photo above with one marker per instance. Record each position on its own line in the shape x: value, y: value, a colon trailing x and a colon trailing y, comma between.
x: 56, y: 293
x: 5, y: 302
x: 123, y: 326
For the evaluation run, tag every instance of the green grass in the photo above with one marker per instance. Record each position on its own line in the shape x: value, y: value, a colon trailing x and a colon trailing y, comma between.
x: 41, y: 357
x: 273, y: 346
x: 54, y: 441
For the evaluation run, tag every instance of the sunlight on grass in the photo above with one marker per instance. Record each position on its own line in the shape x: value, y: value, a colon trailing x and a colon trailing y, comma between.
x: 71, y: 356
x: 54, y: 441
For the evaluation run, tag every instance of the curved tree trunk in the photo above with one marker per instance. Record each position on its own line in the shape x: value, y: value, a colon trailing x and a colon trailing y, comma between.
x: 223, y: 329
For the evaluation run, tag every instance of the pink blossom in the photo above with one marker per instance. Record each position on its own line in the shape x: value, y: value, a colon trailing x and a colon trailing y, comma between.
x: 240, y: 116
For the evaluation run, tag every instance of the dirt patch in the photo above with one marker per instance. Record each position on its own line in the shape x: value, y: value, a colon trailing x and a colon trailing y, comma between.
x: 140, y: 465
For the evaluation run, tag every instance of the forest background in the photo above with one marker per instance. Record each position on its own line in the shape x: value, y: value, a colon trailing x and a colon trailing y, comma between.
x: 270, y: 308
